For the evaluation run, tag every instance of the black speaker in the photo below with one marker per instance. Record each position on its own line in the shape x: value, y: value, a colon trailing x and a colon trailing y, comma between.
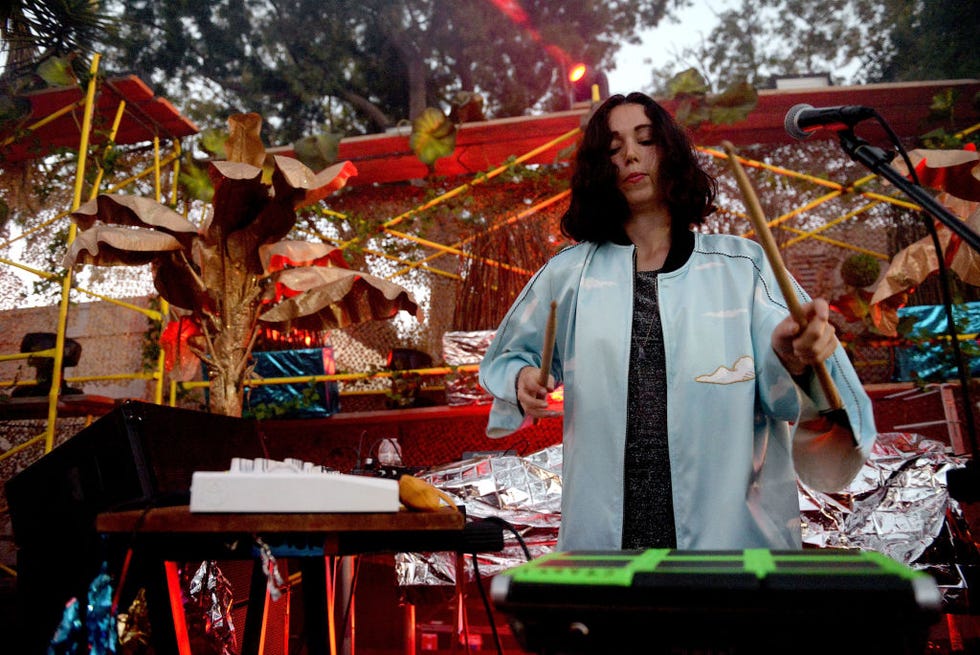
x: 138, y: 455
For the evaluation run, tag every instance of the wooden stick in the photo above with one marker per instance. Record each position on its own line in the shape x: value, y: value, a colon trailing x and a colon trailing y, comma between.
x: 548, y: 349
x: 779, y: 268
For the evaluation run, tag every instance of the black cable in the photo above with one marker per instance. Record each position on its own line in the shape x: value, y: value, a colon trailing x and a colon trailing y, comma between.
x: 486, y: 606
x: 131, y: 540
x: 479, y: 582
x: 510, y: 528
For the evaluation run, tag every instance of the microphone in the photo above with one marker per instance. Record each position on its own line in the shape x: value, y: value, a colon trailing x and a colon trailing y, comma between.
x: 802, y: 120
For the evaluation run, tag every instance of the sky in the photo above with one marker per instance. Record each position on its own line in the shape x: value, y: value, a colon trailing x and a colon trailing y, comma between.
x: 634, y: 62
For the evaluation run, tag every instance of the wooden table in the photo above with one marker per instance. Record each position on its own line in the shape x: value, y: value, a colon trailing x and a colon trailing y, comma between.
x: 167, y: 535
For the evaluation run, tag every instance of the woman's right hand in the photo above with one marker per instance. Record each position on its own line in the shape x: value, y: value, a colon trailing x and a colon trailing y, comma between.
x: 532, y: 395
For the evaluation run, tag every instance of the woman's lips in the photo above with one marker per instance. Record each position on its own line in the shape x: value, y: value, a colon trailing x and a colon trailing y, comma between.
x: 634, y: 178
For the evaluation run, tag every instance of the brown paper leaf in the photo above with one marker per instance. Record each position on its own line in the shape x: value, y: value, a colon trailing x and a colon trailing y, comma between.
x: 955, y: 171
x: 289, y: 254
x: 239, y: 195
x: 106, y: 245
x: 331, y: 297
x: 300, y: 187
x: 244, y: 143
x: 122, y: 209
x: 910, y: 266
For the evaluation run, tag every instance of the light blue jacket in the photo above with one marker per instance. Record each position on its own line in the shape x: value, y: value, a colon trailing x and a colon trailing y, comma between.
x: 733, y: 411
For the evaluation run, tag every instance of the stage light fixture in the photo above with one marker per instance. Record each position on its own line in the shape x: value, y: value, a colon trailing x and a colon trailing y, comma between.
x: 587, y: 84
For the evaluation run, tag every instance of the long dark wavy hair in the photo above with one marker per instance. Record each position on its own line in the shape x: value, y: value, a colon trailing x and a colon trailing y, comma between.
x: 598, y: 211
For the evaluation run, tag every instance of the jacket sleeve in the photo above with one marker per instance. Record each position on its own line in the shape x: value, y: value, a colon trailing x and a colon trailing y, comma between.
x: 515, y: 344
x: 829, y: 446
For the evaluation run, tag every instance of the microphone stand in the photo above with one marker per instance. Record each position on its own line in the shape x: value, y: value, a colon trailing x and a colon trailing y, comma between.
x: 962, y: 483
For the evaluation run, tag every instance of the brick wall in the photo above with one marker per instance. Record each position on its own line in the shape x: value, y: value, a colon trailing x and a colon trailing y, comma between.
x: 111, y: 339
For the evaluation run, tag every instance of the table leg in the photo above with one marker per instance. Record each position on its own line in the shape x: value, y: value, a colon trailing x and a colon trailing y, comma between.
x: 318, y: 621
x: 257, y: 613
x: 347, y: 583
x: 462, y: 634
x: 408, y: 619
x: 172, y: 572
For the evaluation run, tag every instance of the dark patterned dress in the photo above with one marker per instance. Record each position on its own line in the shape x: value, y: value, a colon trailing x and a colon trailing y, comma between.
x: 648, y: 508
x: 648, y: 505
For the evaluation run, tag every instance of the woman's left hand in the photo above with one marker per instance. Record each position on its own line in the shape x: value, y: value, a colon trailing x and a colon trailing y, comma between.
x: 797, y: 348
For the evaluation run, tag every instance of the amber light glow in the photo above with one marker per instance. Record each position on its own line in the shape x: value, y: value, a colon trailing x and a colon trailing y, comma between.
x: 576, y: 72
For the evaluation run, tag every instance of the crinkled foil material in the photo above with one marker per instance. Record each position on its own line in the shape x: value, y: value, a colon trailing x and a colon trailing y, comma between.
x: 523, y: 491
x: 897, y: 505
x: 458, y: 349
x: 208, y: 608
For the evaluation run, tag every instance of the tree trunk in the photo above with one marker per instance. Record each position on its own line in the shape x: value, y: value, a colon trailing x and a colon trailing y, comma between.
x: 226, y: 395
x: 233, y: 333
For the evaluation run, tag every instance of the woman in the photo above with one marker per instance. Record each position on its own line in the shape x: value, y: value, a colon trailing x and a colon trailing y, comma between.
x: 686, y: 380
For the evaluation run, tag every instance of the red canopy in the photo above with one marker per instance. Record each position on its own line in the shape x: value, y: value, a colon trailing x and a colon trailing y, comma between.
x: 382, y: 158
x: 146, y: 116
x: 480, y: 146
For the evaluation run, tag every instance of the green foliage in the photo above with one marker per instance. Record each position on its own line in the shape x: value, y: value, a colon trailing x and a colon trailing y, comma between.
x: 213, y: 140
x: 930, y: 40
x: 57, y: 71
x: 433, y: 136
x: 307, y: 398
x: 942, y: 109
x: 860, y: 270
x: 855, y: 41
x: 195, y: 181
x: 698, y: 105
x: 359, y: 67
x: 317, y: 151
x: 42, y: 39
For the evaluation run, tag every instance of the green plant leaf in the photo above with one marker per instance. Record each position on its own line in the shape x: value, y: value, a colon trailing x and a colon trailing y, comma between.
x: 691, y: 112
x: 213, y: 141
x: 57, y: 71
x: 433, y: 136
x: 196, y: 182
x: 317, y: 151
x: 942, y: 104
x: 687, y: 82
x: 734, y: 104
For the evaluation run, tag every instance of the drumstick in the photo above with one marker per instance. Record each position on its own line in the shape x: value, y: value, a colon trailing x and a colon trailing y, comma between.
x: 548, y: 349
x: 779, y: 268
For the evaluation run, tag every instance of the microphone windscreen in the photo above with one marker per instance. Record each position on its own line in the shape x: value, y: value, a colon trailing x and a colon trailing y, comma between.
x: 790, y: 122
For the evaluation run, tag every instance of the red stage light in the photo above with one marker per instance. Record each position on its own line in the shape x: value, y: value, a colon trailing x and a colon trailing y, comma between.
x: 588, y: 84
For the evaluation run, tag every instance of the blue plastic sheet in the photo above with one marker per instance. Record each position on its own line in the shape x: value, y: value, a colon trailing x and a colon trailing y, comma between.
x: 935, y: 361
x: 293, y: 400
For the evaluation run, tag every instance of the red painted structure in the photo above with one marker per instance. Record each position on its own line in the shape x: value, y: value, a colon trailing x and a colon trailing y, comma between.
x: 384, y: 158
x: 147, y: 116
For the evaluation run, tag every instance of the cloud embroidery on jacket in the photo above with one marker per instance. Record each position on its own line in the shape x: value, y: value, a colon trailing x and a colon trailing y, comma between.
x: 741, y: 371
x: 727, y: 313
x: 597, y: 283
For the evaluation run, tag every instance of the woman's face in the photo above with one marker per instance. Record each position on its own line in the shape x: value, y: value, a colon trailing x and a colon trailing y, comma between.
x: 634, y: 153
